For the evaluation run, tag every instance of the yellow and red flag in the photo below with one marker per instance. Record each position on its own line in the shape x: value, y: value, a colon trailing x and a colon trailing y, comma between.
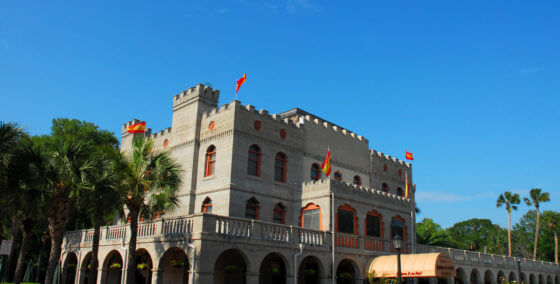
x: 408, y: 155
x: 326, y: 165
x: 240, y: 82
x: 137, y: 128
x: 407, y: 190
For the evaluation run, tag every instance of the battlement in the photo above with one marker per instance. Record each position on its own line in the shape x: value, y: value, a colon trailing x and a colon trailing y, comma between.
x: 124, y: 128
x: 162, y: 133
x: 357, y: 189
x: 200, y: 90
x: 223, y: 108
x: 266, y: 115
x: 335, y: 128
x: 389, y: 158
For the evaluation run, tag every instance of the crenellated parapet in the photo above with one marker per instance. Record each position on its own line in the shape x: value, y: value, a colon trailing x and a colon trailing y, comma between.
x: 335, y: 128
x: 388, y: 158
x: 161, y: 133
x: 354, y: 189
x: 200, y: 91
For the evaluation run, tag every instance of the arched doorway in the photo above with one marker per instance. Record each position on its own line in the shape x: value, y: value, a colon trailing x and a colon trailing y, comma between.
x: 273, y: 270
x: 346, y: 272
x: 474, y: 277
x: 230, y: 268
x: 112, y: 268
x: 501, y: 278
x: 143, y: 267
x: 541, y: 279
x: 557, y: 279
x: 461, y: 277
x: 512, y: 277
x: 523, y: 277
x: 532, y: 279
x: 69, y: 268
x: 549, y: 279
x: 174, y: 267
x: 85, y: 269
x: 488, y: 277
x: 309, y: 271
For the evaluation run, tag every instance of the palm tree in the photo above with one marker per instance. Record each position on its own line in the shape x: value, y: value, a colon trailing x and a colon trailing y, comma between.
x: 537, y: 197
x: 510, y: 200
x: 68, y: 167
x: 152, y: 180
x: 553, y: 223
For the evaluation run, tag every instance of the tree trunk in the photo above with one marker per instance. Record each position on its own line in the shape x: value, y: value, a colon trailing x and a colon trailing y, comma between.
x: 58, y: 217
x: 15, y: 228
x: 40, y: 258
x: 94, y: 262
x: 131, y: 254
x: 555, y: 247
x: 537, y: 235
x: 27, y: 227
x: 509, y: 234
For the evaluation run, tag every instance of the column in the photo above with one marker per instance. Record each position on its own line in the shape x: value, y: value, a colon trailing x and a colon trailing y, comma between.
x: 155, y: 275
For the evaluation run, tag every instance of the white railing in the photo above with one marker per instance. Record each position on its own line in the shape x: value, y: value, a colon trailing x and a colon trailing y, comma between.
x: 117, y: 232
x: 176, y: 227
x: 89, y: 236
x: 147, y: 229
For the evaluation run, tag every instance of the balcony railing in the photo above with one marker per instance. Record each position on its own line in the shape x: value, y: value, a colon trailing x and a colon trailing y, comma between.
x: 219, y: 227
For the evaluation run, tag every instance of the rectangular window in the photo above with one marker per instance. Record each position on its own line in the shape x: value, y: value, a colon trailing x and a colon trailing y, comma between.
x: 397, y: 228
x: 311, y: 219
x: 278, y: 216
x: 345, y: 221
x: 251, y: 212
x: 373, y: 226
x: 279, y: 170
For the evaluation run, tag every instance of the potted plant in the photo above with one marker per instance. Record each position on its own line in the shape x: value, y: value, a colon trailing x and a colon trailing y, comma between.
x: 142, y: 266
x: 309, y: 271
x: 70, y: 266
x: 115, y: 266
x: 231, y: 268
x: 177, y: 263
x: 275, y: 271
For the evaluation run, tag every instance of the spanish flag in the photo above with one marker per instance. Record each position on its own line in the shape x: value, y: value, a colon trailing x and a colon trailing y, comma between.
x: 137, y: 128
x: 407, y: 190
x: 408, y: 155
x: 240, y: 82
x: 326, y: 165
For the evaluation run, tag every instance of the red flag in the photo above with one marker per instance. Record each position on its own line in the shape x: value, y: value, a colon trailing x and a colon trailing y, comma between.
x: 241, y: 81
x: 326, y: 165
x: 137, y: 128
x: 408, y: 155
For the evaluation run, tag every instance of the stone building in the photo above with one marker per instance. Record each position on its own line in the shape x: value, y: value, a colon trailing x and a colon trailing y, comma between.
x: 255, y: 206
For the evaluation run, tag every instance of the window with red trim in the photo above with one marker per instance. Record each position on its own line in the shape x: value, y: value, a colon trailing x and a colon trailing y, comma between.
x: 311, y: 217
x: 279, y: 213
x: 280, y: 165
x: 315, y: 172
x: 398, y: 227
x: 357, y: 180
x: 207, y: 205
x: 400, y: 191
x: 400, y: 172
x: 254, y: 163
x: 374, y: 224
x: 210, y: 161
x: 385, y: 167
x: 252, y: 209
x: 346, y: 220
x: 385, y: 187
x: 338, y: 176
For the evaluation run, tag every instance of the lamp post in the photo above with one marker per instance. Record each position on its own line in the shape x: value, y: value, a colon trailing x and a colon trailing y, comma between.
x: 397, y: 244
x: 518, y: 257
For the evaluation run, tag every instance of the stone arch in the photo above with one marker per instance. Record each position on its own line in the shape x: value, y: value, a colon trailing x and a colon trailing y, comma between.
x: 347, y: 272
x: 69, y: 268
x: 112, y: 268
x: 461, y: 277
x: 230, y: 267
x: 143, y: 267
x: 310, y: 270
x: 474, y: 277
x: 512, y: 277
x: 532, y: 279
x: 501, y: 277
x: 541, y: 279
x: 523, y: 277
x: 173, y: 267
x: 549, y: 279
x: 273, y: 269
x: 557, y: 279
x: 85, y: 272
x: 488, y: 277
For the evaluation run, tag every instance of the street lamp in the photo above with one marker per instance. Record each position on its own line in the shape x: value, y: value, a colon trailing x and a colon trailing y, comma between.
x: 397, y: 244
x: 518, y: 257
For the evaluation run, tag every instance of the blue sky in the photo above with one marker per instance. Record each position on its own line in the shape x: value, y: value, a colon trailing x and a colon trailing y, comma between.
x: 471, y: 87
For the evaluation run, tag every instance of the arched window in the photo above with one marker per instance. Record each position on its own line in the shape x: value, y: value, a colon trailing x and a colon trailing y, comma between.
x: 385, y: 187
x: 400, y: 191
x: 207, y: 205
x: 398, y: 227
x: 280, y: 167
x: 279, y: 213
x: 310, y: 217
x: 252, y: 209
x: 315, y: 172
x: 210, y: 161
x: 357, y: 180
x: 400, y: 172
x: 346, y: 220
x: 385, y: 167
x: 374, y: 224
x: 338, y: 176
x: 254, y: 163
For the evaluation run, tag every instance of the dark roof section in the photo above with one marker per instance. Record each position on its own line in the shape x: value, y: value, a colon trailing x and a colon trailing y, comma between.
x: 300, y: 112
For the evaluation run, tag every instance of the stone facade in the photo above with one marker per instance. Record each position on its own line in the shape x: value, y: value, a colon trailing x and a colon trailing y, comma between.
x: 256, y: 232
